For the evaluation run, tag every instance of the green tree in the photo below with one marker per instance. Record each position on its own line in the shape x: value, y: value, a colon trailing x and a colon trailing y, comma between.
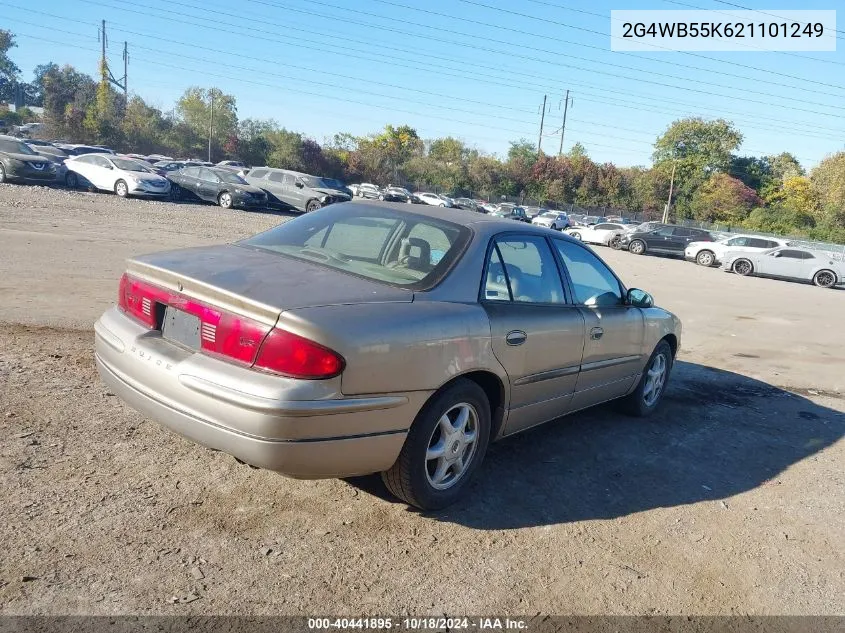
x: 8, y: 70
x: 828, y: 180
x: 577, y: 151
x: 144, y: 128
x: 194, y: 110
x: 723, y: 198
x: 706, y: 145
x: 67, y: 96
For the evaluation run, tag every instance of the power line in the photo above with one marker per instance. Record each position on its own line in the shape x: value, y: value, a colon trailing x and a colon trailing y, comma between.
x: 474, y: 78
x: 739, y: 6
x: 555, y: 53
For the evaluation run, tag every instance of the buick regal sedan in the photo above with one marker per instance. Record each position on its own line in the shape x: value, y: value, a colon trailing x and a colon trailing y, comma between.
x: 364, y: 338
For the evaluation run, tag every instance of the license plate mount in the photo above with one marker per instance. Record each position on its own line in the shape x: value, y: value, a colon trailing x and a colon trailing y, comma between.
x: 182, y: 328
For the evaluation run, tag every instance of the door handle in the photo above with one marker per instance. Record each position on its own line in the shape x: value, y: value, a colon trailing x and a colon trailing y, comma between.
x: 516, y: 337
x: 596, y: 333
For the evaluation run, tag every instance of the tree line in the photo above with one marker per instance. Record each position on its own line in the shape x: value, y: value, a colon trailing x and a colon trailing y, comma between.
x: 711, y: 182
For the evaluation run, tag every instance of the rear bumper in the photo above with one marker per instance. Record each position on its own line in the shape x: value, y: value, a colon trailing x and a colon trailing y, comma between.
x: 260, y: 419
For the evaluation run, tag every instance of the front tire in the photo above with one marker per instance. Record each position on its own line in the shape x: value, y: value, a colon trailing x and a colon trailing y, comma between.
x: 444, y: 448
x: 637, y: 247
x: 576, y: 235
x: 175, y: 192
x: 705, y: 258
x: 71, y: 180
x: 2, y: 174
x: 615, y: 242
x: 121, y: 188
x: 225, y: 200
x: 825, y: 279
x: 649, y: 392
x: 743, y: 267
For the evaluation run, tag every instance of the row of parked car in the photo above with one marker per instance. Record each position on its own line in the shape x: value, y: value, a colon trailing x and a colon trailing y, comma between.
x: 740, y: 254
x: 231, y: 184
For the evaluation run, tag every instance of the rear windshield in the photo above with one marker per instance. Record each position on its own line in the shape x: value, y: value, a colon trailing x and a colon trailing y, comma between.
x: 385, y: 245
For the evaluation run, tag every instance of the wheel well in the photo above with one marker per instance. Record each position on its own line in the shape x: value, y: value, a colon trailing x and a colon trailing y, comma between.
x: 826, y: 270
x: 495, y: 392
x: 673, y: 343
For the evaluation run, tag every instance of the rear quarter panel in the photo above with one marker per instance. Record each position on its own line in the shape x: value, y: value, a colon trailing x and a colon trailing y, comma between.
x: 400, y: 347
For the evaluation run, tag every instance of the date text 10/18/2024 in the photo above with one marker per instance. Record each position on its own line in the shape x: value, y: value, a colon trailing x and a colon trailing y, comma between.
x: 418, y: 624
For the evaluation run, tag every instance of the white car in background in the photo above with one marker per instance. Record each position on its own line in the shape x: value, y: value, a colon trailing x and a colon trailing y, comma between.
x: 107, y: 172
x: 605, y: 233
x: 433, y: 199
x: 710, y: 253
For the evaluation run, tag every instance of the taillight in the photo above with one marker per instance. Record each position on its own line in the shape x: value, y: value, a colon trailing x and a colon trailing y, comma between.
x: 140, y: 300
x: 292, y: 355
x: 233, y: 337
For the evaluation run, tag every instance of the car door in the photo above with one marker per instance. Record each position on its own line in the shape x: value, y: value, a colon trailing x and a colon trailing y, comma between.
x: 100, y: 172
x: 208, y: 185
x: 81, y: 165
x: 784, y: 262
x: 537, y: 335
x: 662, y: 239
x: 295, y: 191
x: 187, y: 178
x: 613, y: 351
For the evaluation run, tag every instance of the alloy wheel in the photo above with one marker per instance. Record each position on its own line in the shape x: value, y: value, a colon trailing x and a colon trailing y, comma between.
x: 226, y: 200
x: 824, y: 279
x: 452, y: 446
x: 655, y: 379
x: 121, y: 189
x: 742, y: 267
x: 705, y: 258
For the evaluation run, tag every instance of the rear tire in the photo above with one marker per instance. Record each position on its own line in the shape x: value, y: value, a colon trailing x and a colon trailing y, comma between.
x: 2, y: 173
x: 742, y: 267
x: 175, y: 192
x: 121, y: 188
x: 643, y: 401
x: 615, y: 242
x: 825, y: 279
x: 312, y: 205
x: 637, y: 247
x: 705, y: 258
x: 431, y: 455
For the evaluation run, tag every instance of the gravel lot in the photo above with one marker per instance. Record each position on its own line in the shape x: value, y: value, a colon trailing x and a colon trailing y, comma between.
x: 730, y: 501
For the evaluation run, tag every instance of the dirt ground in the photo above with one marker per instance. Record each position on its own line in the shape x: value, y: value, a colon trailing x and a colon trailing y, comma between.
x: 730, y: 501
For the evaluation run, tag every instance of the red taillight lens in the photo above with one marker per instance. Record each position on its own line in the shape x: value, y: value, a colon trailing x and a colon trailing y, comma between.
x: 233, y: 337
x: 297, y: 357
x: 140, y: 300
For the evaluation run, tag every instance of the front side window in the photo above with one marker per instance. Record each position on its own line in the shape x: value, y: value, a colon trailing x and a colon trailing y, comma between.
x: 592, y: 281
x: 288, y: 180
x: 739, y: 241
x: 527, y: 269
x: 394, y: 247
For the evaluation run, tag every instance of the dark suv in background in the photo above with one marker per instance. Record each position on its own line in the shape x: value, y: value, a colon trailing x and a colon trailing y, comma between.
x: 668, y: 239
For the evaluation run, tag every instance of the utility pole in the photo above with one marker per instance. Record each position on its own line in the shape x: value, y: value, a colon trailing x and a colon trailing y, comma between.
x: 563, y: 127
x: 542, y: 119
x: 126, y: 71
x: 671, y: 188
x: 211, y: 124
x: 105, y: 71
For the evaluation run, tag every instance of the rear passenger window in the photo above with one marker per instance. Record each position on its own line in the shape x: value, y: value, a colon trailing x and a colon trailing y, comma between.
x: 794, y: 254
x: 683, y: 233
x: 528, y: 267
x: 258, y: 173
x: 276, y: 177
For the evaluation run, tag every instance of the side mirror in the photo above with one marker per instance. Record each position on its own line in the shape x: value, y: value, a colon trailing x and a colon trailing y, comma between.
x: 299, y: 184
x: 777, y: 254
x: 639, y: 298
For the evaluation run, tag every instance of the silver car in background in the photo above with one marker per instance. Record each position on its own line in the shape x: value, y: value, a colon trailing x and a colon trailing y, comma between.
x: 710, y: 253
x: 556, y: 220
x: 825, y: 270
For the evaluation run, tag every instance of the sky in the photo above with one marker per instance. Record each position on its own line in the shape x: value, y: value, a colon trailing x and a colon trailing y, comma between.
x: 477, y: 70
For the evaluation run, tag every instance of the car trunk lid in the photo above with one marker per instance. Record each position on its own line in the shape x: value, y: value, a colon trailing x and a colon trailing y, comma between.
x: 257, y: 284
